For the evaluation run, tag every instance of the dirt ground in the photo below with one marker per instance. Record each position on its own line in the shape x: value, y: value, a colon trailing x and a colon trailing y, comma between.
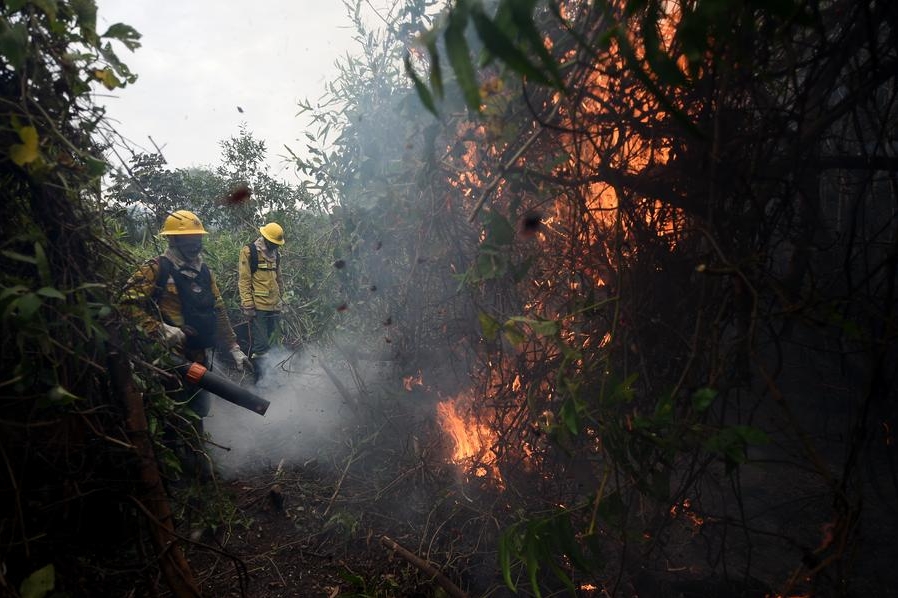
x: 316, y: 531
x: 286, y: 539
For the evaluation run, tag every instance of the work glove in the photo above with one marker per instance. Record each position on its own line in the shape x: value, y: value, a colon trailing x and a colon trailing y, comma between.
x: 240, y: 359
x: 248, y: 312
x: 172, y: 336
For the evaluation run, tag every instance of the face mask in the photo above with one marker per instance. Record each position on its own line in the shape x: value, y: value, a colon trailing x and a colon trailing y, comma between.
x: 190, y: 249
x: 270, y: 246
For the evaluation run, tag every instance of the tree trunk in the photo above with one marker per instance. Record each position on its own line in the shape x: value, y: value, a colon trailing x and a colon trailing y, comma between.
x: 153, y: 499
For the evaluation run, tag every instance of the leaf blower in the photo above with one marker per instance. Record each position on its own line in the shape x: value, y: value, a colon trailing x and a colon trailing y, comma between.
x: 197, y: 374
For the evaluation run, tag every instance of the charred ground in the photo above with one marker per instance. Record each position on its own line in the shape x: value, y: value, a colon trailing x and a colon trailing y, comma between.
x: 377, y: 518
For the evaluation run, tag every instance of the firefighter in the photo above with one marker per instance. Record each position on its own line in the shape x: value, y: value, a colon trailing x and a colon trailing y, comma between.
x: 175, y: 298
x: 261, y: 290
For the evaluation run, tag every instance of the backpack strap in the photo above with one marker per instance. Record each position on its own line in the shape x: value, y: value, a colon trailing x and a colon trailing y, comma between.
x: 165, y: 267
x: 253, y: 258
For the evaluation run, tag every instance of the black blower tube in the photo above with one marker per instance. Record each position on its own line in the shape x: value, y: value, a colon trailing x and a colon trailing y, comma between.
x: 196, y: 373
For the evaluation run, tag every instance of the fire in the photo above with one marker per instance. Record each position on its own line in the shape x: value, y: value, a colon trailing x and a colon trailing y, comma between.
x: 408, y: 382
x: 474, y: 441
x: 589, y: 588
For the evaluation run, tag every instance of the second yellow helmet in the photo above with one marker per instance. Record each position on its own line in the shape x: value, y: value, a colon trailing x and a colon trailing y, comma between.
x: 273, y: 232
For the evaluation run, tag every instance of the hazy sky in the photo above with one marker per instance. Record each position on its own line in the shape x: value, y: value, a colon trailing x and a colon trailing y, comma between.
x: 201, y: 59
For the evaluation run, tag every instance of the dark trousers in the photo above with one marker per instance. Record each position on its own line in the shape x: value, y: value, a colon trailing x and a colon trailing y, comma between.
x: 263, y: 328
x: 183, y: 433
x: 198, y: 399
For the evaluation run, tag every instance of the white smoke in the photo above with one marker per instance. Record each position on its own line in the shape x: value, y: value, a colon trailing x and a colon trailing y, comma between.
x: 306, y: 420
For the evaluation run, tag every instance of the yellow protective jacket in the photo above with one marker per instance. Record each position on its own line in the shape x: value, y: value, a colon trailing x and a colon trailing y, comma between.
x: 260, y: 290
x: 150, y: 312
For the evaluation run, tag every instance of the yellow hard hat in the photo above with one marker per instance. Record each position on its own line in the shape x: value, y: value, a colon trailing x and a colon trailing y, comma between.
x: 273, y: 232
x: 182, y: 222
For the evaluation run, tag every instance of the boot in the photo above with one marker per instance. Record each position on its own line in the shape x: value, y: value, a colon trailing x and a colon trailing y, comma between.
x: 258, y: 364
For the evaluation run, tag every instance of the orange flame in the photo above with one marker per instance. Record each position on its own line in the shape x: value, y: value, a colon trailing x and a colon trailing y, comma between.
x: 408, y: 382
x: 473, y: 441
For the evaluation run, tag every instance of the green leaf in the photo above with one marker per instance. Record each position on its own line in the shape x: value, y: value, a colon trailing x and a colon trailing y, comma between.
x: 125, y: 34
x: 61, y: 396
x: 731, y: 443
x: 354, y: 579
x: 14, y: 5
x: 532, y: 562
x: 522, y: 15
x: 505, y: 559
x: 562, y: 576
x: 566, y: 539
x: 50, y: 292
x: 423, y: 93
x: 751, y: 435
x: 27, y: 305
x: 503, y: 48
x: 48, y: 7
x: 86, y: 13
x: 664, y: 410
x: 43, y: 264
x: 702, y: 399
x: 545, y: 327
x: 569, y: 415
x: 39, y: 583
x: 436, y: 72
x: 570, y: 353
x: 489, y: 264
x: 539, y: 327
x: 14, y: 44
x: 623, y: 392
x: 19, y: 257
x: 95, y: 166
x: 489, y: 325
x: 14, y: 290
x: 514, y: 334
x: 520, y: 272
x: 460, y: 58
x: 118, y: 67
x: 499, y: 231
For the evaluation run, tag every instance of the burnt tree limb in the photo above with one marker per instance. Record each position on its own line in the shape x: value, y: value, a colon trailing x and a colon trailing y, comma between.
x: 453, y: 590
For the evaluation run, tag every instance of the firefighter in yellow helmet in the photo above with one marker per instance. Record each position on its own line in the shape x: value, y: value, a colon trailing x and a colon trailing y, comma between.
x: 175, y: 298
x: 261, y: 290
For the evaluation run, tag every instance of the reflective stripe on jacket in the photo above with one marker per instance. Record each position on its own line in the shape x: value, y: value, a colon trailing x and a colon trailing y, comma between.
x: 260, y: 290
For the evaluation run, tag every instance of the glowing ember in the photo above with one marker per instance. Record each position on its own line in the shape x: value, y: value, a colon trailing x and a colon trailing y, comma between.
x: 589, y: 588
x: 408, y: 382
x: 684, y: 509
